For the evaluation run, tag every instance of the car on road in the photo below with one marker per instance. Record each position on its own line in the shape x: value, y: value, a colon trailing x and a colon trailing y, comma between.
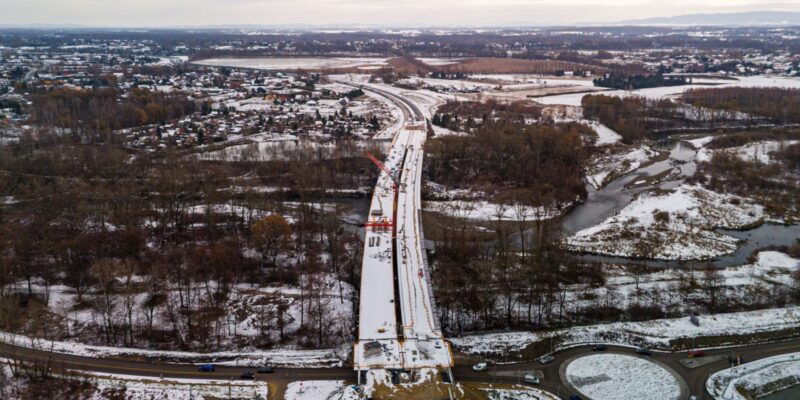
x: 531, y: 379
x: 599, y: 347
x: 644, y: 351
x: 546, y: 359
x: 482, y: 366
x: 696, y: 353
x: 267, y: 369
x: 206, y: 368
x: 248, y: 375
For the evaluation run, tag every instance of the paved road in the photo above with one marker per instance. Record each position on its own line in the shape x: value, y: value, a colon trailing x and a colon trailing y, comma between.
x: 695, y: 378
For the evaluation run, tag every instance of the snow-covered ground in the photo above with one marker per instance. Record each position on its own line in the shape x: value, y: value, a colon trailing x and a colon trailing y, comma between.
x: 656, y: 334
x: 281, y: 357
x: 757, y: 151
x: 518, y: 393
x: 677, y: 225
x: 615, y: 162
x: 320, y: 390
x: 675, y: 91
x: 140, y: 388
x: 755, y: 379
x: 486, y: 211
x: 621, y: 377
x: 605, y: 135
x: 291, y: 63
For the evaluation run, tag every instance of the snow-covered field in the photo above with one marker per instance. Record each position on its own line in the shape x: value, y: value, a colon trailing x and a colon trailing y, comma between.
x: 319, y: 390
x: 621, y: 377
x: 756, y: 379
x: 674, y: 91
x: 281, y: 357
x: 139, y: 388
x: 676, y: 225
x: 521, y: 393
x: 294, y: 63
x: 605, y: 135
x: 757, y: 151
x: 486, y: 211
x: 656, y: 334
x: 613, y: 163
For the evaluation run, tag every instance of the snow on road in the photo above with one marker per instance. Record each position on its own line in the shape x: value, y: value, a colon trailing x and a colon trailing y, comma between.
x: 756, y: 379
x: 424, y: 344
x: 621, y: 377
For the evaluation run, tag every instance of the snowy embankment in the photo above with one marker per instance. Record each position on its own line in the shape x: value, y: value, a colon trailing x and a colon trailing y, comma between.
x: 605, y: 135
x: 139, y: 388
x: 761, y: 152
x: 621, y: 377
x: 657, y: 334
x: 486, y: 211
x: 518, y: 393
x: 676, y: 225
x: 281, y: 357
x: 472, y: 205
x: 317, y: 390
x: 756, y: 379
x: 613, y: 164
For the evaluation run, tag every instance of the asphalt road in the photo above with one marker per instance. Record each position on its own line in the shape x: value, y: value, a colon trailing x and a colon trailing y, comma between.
x: 695, y: 378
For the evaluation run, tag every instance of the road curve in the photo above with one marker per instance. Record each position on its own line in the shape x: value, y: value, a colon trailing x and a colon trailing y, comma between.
x: 695, y: 377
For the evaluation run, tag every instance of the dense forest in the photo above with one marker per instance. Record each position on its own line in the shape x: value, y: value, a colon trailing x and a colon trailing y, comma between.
x: 633, y: 82
x: 155, y: 250
x: 773, y: 184
x: 779, y: 105
x: 502, y: 154
x: 632, y: 117
x: 95, y: 113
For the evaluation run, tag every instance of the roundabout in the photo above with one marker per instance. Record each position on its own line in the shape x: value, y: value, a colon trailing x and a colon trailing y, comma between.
x: 618, y: 376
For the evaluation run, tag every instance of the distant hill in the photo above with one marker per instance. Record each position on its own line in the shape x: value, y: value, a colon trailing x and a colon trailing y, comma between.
x: 771, y: 18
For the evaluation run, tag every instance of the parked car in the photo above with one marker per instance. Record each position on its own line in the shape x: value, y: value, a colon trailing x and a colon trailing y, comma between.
x: 248, y: 375
x: 480, y: 367
x: 546, y: 359
x: 696, y: 353
x: 206, y: 368
x: 531, y: 379
x: 644, y: 351
x: 267, y: 369
x: 575, y: 397
x: 599, y: 347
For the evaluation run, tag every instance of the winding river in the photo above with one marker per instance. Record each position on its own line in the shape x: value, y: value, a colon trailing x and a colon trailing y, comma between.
x: 603, y: 203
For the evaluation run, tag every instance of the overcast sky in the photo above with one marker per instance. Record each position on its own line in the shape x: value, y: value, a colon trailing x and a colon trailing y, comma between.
x: 399, y: 13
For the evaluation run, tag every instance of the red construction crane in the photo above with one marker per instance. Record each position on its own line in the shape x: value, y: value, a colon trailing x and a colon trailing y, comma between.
x: 378, y: 221
x: 383, y: 168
